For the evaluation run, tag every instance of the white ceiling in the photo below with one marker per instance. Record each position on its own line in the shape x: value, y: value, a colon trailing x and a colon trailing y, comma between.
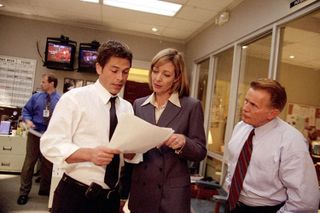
x: 192, y: 18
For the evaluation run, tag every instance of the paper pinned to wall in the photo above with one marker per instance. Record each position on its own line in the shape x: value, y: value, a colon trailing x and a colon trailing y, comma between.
x: 134, y: 135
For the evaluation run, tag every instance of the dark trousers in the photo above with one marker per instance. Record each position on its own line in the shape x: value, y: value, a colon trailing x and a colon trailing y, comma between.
x: 69, y: 197
x: 242, y: 208
x: 32, y: 155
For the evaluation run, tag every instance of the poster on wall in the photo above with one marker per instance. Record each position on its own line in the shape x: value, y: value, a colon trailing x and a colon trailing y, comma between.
x: 305, y: 118
x: 70, y: 83
x: 16, y: 80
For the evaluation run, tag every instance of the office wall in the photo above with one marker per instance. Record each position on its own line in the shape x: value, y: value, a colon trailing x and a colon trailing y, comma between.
x: 19, y: 36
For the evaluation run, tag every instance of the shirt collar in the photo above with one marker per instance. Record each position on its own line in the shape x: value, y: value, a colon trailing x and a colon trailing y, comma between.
x: 259, y: 131
x: 104, y: 94
x: 174, y: 99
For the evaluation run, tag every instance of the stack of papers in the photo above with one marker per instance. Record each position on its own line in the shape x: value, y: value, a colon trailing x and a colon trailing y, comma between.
x: 134, y: 135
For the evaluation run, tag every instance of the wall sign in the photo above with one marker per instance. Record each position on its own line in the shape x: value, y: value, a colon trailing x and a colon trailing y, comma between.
x: 16, y: 80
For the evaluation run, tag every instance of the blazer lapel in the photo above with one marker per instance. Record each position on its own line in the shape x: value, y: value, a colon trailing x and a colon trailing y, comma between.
x: 148, y: 113
x: 170, y: 112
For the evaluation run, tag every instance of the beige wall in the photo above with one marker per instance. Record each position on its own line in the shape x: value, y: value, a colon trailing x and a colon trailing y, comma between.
x: 18, y: 37
x: 246, y: 18
x: 302, y: 84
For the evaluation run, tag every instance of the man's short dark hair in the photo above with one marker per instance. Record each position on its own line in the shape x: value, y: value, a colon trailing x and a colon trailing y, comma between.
x: 113, y: 48
x: 52, y: 78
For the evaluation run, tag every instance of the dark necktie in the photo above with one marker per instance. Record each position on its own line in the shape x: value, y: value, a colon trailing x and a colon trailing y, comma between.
x: 240, y: 172
x: 48, y: 107
x: 112, y: 170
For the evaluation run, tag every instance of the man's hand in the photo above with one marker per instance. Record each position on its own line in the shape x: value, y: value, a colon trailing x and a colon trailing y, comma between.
x: 29, y: 124
x: 103, y: 155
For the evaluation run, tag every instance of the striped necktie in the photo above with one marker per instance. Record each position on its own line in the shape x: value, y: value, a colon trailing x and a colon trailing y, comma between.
x: 240, y: 172
x: 112, y: 170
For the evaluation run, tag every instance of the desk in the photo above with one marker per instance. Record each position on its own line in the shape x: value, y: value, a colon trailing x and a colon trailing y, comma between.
x: 12, y: 153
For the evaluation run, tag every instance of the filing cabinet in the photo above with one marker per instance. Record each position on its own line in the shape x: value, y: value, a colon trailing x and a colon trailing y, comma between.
x: 12, y: 153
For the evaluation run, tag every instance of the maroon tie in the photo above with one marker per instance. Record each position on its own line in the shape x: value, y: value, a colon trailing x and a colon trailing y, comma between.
x: 240, y: 172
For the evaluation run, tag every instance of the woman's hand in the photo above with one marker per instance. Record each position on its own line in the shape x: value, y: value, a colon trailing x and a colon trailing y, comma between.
x: 176, y: 141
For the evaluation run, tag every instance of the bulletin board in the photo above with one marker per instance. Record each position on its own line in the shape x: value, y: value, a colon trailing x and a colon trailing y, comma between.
x: 16, y: 80
x: 305, y: 118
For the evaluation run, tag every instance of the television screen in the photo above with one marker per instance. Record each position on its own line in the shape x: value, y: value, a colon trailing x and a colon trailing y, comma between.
x: 88, y: 53
x: 60, y: 54
x: 87, y: 60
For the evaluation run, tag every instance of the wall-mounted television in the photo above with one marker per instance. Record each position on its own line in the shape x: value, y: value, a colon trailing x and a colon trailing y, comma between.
x: 60, y: 53
x: 88, y: 53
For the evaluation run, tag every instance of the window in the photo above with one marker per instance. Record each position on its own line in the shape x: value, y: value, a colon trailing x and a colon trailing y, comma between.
x: 218, y: 113
x: 299, y: 73
x: 254, y: 64
x: 203, y: 70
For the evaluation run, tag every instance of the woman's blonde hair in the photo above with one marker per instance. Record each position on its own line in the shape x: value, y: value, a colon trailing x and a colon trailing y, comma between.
x: 181, y: 85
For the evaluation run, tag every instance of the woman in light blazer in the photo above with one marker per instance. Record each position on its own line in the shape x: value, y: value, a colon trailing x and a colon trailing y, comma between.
x: 161, y: 183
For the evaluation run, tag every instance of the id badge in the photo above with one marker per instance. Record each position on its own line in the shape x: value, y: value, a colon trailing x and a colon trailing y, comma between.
x: 46, y: 113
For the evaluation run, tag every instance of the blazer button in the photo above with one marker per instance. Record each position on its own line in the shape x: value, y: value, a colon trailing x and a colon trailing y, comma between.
x: 159, y: 186
x: 160, y: 169
x: 144, y: 183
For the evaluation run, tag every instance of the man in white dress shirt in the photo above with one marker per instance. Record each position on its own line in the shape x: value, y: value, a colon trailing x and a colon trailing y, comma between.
x: 79, y: 132
x: 281, y: 176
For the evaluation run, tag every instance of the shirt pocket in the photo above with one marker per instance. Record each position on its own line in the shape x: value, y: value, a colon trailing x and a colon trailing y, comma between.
x: 265, y: 168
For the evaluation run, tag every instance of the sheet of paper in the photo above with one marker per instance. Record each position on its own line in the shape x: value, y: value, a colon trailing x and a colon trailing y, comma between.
x: 134, y: 135
x: 34, y: 132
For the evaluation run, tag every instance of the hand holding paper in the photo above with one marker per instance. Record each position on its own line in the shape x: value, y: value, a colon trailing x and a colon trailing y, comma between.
x: 31, y: 130
x: 134, y: 135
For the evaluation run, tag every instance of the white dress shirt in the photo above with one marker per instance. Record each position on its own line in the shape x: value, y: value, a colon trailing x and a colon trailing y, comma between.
x: 280, y: 170
x: 81, y: 120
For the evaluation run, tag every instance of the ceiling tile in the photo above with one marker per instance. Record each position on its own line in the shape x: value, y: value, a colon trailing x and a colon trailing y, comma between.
x: 216, y: 5
x: 95, y: 16
x: 196, y: 14
x: 184, y: 25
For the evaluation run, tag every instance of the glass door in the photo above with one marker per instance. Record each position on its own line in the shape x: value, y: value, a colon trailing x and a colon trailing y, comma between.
x: 218, y: 113
x: 299, y: 73
x: 254, y: 64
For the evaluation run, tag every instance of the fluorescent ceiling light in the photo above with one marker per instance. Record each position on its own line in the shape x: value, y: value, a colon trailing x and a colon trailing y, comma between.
x: 91, y: 1
x: 148, y: 6
x: 154, y: 29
